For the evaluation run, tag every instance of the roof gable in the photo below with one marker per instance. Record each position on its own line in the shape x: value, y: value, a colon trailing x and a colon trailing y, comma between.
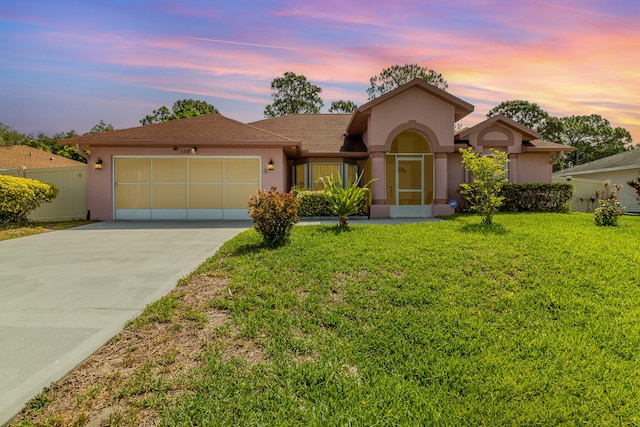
x: 17, y: 156
x: 527, y: 133
x: 208, y: 129
x: 359, y: 118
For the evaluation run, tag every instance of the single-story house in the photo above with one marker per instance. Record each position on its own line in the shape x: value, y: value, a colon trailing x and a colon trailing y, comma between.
x: 618, y: 169
x: 68, y: 175
x: 207, y: 167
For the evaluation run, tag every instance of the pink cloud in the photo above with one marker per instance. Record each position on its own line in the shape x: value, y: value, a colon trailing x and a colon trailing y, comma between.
x: 567, y: 57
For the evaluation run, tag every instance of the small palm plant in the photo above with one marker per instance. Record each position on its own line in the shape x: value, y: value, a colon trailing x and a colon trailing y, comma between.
x: 345, y: 200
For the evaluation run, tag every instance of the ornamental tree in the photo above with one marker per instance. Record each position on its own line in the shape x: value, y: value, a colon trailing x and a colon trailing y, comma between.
x: 483, y: 194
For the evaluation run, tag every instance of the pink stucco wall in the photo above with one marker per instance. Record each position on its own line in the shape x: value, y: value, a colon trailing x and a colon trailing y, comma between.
x: 523, y: 166
x: 534, y: 167
x: 416, y: 110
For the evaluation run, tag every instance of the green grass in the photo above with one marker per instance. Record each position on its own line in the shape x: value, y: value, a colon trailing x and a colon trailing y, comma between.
x: 13, y: 231
x: 532, y: 321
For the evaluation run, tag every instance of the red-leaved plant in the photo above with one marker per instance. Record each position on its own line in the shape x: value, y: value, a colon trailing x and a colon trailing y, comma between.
x: 274, y: 215
x: 610, y: 209
x: 635, y: 184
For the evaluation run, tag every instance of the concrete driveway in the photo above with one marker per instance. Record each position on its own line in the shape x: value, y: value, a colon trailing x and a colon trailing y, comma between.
x: 64, y: 294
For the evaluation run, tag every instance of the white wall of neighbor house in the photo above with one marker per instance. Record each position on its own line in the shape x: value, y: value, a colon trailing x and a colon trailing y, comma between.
x: 71, y: 202
x: 587, y: 184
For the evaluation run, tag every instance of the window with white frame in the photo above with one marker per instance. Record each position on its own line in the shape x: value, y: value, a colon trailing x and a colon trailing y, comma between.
x: 308, y: 175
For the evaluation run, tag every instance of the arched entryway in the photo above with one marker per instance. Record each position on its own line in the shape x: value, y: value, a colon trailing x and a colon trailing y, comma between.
x: 409, y: 175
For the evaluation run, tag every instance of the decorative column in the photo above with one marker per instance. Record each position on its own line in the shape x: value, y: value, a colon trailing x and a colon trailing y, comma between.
x: 512, y: 167
x: 379, y: 207
x: 441, y: 184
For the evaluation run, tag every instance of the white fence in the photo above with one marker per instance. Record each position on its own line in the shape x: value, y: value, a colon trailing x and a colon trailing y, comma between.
x: 71, y: 202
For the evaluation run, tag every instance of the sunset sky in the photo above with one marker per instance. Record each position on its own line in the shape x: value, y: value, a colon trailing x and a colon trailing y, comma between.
x: 69, y: 64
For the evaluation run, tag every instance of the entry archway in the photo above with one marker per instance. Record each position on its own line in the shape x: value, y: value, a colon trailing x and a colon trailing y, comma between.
x: 409, y: 175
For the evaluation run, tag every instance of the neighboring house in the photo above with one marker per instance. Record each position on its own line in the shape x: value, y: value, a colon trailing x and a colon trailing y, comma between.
x: 68, y: 175
x: 207, y: 167
x: 619, y: 169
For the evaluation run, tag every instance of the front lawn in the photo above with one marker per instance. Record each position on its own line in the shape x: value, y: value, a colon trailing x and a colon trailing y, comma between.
x: 532, y: 321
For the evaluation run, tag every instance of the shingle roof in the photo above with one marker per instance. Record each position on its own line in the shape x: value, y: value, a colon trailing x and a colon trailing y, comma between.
x: 546, y: 146
x: 16, y: 156
x: 627, y: 159
x: 318, y: 133
x: 207, y: 129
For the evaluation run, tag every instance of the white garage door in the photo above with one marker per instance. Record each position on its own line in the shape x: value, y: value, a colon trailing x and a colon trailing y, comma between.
x: 184, y: 188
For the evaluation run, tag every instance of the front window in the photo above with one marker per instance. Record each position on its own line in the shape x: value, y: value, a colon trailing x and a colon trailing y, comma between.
x: 299, y: 177
x: 321, y: 170
x: 351, y: 172
x: 308, y: 175
x: 410, y: 142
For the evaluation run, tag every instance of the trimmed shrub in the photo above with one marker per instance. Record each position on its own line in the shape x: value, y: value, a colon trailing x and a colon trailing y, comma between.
x: 274, y: 215
x: 20, y: 196
x: 315, y: 203
x: 536, y: 197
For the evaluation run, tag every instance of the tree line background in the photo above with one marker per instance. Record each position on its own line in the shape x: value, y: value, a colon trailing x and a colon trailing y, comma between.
x: 591, y: 135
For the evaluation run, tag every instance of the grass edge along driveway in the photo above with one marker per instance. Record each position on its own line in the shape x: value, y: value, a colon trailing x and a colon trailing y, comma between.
x: 530, y: 321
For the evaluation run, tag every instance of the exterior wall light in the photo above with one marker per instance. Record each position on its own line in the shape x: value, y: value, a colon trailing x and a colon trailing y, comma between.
x: 98, y: 164
x: 271, y: 166
x: 193, y: 150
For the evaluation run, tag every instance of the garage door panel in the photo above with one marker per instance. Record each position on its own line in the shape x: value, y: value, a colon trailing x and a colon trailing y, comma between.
x: 242, y: 170
x: 133, y: 196
x: 169, y: 214
x: 205, y: 170
x: 133, y: 214
x: 133, y: 170
x: 205, y: 214
x: 170, y: 170
x: 184, y: 188
x: 205, y: 196
x: 169, y: 196
x: 236, y: 214
x: 236, y: 196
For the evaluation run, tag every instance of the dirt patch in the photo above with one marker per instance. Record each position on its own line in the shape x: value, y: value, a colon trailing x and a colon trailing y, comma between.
x: 119, y: 382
